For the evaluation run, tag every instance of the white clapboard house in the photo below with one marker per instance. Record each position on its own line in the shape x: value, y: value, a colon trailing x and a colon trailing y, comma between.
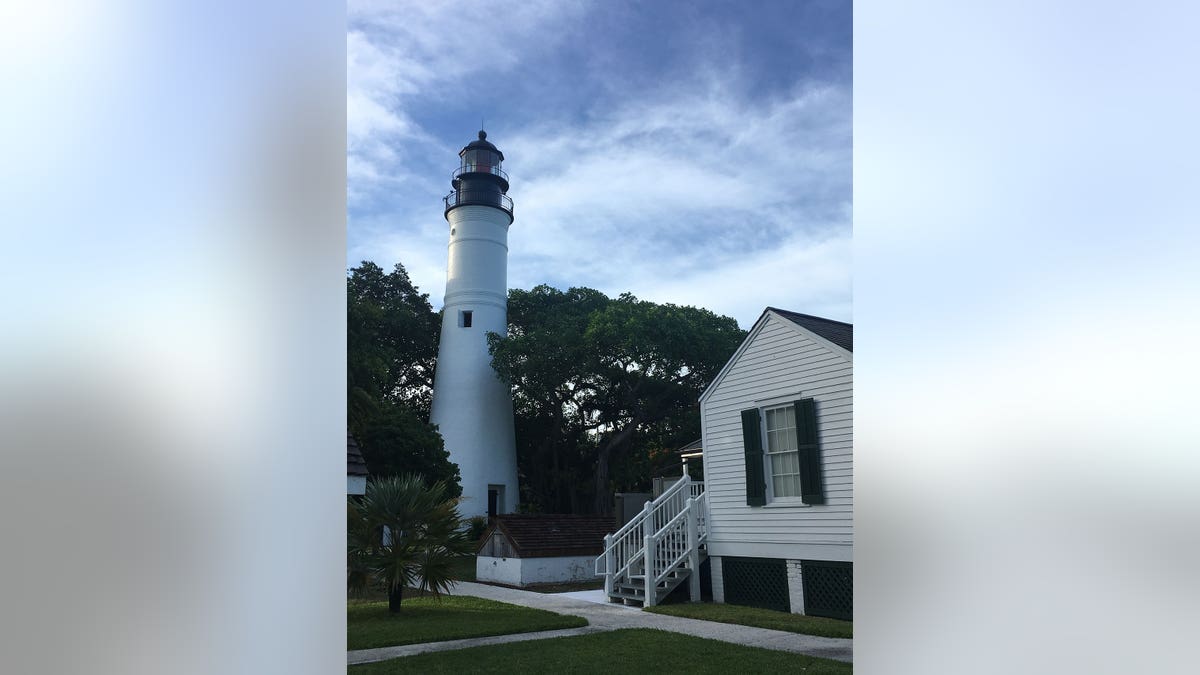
x: 774, y: 516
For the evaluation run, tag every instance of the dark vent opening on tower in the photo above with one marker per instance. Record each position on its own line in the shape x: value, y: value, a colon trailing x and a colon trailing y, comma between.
x: 466, y: 318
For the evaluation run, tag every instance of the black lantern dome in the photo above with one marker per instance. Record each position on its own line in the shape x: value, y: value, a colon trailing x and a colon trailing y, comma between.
x: 482, y: 143
x: 479, y: 179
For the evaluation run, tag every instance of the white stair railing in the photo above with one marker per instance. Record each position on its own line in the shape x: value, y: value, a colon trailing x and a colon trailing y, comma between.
x: 659, y: 540
x: 674, y: 544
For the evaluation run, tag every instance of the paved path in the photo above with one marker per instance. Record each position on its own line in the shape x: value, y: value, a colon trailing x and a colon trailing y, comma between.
x: 605, y: 617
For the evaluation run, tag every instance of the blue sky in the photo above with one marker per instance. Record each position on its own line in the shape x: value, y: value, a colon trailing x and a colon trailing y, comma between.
x: 694, y: 153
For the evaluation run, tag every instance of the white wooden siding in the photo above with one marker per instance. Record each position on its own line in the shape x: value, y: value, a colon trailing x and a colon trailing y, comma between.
x: 780, y: 363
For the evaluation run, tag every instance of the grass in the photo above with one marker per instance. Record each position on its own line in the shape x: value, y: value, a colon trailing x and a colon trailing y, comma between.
x: 762, y: 618
x: 429, y: 619
x: 636, y: 649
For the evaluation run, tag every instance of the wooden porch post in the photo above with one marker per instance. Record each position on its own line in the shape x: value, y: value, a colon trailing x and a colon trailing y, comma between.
x: 693, y: 540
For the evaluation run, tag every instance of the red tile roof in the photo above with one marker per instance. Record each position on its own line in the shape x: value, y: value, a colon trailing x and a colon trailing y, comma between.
x: 541, y: 535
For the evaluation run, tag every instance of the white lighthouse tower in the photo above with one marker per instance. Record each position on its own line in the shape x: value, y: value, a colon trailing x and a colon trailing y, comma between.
x: 471, y: 406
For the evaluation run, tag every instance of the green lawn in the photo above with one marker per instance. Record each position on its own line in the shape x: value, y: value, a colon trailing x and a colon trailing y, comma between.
x: 428, y: 619
x: 762, y: 618
x: 629, y: 650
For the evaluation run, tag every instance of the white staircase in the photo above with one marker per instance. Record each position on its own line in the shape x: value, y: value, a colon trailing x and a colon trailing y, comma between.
x: 659, y: 549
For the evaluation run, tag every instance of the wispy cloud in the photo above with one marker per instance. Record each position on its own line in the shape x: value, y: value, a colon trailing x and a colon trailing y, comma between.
x: 698, y: 190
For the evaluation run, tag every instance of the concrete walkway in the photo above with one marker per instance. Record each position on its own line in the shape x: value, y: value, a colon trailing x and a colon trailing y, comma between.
x: 611, y: 616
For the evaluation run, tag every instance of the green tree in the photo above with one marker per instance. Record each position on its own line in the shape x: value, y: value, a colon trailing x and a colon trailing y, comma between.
x: 391, y: 349
x: 545, y: 358
x: 604, y: 383
x: 392, y: 337
x: 653, y: 361
x: 395, y: 440
x: 401, y: 533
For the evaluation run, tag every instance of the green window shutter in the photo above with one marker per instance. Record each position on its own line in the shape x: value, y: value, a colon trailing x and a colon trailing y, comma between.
x: 756, y: 485
x: 811, y: 489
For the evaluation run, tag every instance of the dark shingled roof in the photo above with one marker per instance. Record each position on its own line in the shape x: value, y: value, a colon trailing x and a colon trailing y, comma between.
x: 355, y: 464
x: 690, y: 447
x: 840, y: 334
x: 540, y: 535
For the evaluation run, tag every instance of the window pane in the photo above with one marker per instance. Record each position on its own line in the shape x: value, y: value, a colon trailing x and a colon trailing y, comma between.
x: 786, y: 486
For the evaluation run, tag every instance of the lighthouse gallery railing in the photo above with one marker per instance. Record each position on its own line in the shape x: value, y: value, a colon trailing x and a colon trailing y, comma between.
x: 479, y: 197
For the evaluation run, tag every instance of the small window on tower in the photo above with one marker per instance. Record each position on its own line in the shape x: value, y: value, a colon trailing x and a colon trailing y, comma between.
x: 466, y: 318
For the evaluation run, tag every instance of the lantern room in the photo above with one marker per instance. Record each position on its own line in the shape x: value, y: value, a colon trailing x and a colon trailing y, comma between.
x: 479, y: 180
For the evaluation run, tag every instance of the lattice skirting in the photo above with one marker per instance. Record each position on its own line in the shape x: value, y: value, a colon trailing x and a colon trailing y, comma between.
x: 756, y: 582
x: 828, y: 588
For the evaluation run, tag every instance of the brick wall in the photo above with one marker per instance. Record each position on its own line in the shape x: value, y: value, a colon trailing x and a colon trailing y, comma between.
x: 795, y: 586
x: 718, y: 579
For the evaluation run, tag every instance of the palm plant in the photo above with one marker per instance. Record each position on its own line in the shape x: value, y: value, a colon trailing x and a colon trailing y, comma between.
x: 404, y: 533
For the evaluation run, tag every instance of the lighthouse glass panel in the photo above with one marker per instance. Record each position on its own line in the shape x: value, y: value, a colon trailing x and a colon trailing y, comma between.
x: 783, y: 451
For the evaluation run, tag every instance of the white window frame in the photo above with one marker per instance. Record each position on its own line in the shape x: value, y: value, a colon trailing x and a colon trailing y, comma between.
x: 769, y: 477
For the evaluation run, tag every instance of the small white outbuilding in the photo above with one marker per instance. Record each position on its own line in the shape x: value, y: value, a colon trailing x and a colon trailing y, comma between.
x: 528, y: 549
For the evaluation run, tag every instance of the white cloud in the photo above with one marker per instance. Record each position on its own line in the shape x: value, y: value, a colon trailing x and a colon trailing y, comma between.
x: 698, y: 188
x: 802, y: 274
x: 694, y: 193
x: 400, y: 52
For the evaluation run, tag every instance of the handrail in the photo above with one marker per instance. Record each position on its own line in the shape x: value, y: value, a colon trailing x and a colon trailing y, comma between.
x: 628, y: 546
x: 479, y: 197
x: 681, y: 514
x: 659, y: 538
x: 676, y: 487
x: 670, y: 534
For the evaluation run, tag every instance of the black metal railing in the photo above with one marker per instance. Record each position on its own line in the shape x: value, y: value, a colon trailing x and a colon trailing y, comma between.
x: 479, y: 168
x: 479, y: 198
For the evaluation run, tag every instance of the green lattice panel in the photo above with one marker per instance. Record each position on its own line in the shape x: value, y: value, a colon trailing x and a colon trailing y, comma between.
x: 828, y: 588
x: 756, y: 582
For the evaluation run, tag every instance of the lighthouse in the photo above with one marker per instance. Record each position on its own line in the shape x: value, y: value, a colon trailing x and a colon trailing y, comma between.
x: 472, y: 407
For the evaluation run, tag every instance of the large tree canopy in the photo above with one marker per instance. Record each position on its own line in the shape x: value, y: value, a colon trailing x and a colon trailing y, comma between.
x: 601, y: 386
x: 391, y: 349
x: 391, y: 338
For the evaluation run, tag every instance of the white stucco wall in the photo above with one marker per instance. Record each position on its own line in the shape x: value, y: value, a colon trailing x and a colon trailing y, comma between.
x: 527, y: 571
x: 499, y: 570
x: 356, y: 485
